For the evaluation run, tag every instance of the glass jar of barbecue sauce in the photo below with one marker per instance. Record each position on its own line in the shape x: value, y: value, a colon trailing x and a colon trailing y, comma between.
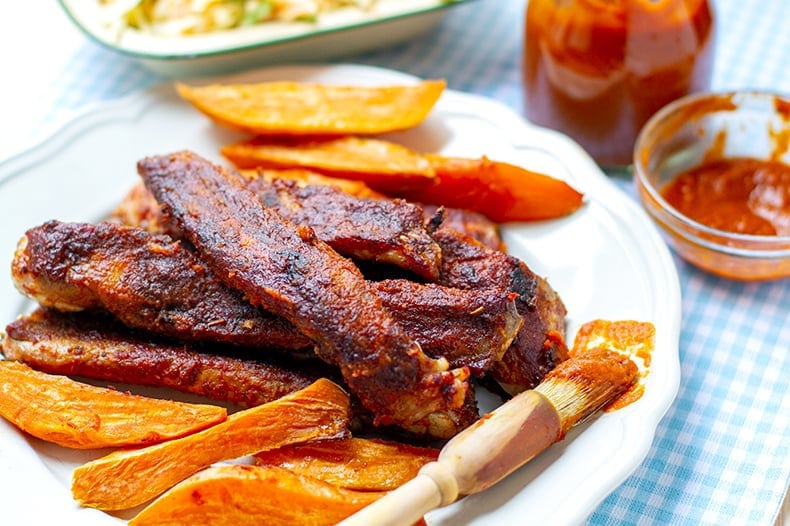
x: 598, y: 69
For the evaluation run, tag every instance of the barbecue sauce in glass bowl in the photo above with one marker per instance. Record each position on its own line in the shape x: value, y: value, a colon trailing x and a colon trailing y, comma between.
x: 598, y: 69
x: 742, y: 195
x: 713, y: 172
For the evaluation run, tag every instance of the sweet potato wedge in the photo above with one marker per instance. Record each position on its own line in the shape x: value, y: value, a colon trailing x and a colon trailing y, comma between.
x: 382, y: 165
x: 502, y: 192
x: 123, y: 479
x: 236, y: 495
x: 75, y: 415
x: 308, y: 108
x: 353, y: 463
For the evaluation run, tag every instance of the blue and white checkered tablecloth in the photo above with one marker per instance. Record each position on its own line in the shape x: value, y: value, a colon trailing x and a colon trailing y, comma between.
x: 722, y: 453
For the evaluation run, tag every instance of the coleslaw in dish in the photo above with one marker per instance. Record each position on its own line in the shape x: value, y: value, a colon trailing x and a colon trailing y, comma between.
x: 188, y: 17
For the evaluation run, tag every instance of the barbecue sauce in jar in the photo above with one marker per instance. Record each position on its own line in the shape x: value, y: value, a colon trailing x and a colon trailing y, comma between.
x: 598, y: 69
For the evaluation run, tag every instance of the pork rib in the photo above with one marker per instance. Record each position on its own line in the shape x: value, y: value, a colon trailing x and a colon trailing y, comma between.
x: 470, y: 328
x: 381, y: 230
x: 147, y: 281
x: 540, y: 343
x: 286, y: 270
x: 152, y: 283
x: 94, y: 346
x: 389, y: 231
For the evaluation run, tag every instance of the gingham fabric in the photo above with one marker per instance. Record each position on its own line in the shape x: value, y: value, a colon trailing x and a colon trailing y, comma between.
x: 722, y: 453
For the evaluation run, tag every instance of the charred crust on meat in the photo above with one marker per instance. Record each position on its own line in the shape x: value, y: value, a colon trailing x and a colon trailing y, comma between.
x: 435, y: 220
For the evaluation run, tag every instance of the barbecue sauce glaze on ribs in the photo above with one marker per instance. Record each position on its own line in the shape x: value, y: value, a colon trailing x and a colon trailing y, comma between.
x: 287, y: 270
x: 95, y: 345
x: 147, y: 281
x: 152, y: 283
x: 472, y: 258
x: 389, y: 231
x: 540, y: 343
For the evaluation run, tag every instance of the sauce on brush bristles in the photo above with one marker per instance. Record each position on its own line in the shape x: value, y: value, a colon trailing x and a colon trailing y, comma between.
x: 589, y: 381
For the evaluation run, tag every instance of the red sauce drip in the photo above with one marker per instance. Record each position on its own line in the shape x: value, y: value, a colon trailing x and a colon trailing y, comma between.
x: 741, y: 195
x: 635, y: 339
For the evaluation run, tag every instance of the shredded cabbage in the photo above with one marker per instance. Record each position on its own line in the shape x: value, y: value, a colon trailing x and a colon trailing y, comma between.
x: 185, y: 17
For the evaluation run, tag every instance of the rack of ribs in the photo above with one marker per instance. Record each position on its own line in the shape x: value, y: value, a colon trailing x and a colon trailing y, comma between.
x: 153, y: 283
x: 285, y: 269
x: 465, y: 264
x: 381, y: 230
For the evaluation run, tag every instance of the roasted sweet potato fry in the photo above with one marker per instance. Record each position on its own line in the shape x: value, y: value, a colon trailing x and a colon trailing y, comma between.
x: 306, y: 108
x: 81, y: 416
x: 124, y: 479
x: 382, y: 165
x: 235, y: 495
x: 353, y: 463
x: 503, y: 192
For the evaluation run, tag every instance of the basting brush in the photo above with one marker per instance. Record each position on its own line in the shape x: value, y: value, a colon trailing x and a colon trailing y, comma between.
x: 507, y: 438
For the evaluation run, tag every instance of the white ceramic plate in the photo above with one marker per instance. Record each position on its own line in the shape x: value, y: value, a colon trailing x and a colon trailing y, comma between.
x: 335, y: 34
x: 606, y: 261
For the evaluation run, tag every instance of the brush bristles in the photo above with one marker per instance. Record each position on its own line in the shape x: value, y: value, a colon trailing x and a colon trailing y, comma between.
x: 587, y: 382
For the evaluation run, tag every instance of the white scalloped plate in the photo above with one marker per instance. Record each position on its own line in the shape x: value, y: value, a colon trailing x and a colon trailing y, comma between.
x: 606, y: 261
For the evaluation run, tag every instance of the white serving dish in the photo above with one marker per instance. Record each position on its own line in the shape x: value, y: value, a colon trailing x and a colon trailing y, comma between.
x: 606, y: 260
x: 333, y: 35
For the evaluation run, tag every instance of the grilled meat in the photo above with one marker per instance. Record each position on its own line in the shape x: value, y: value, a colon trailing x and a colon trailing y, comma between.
x: 147, y: 281
x: 387, y: 231
x: 471, y: 328
x: 473, y: 224
x: 440, y: 425
x: 381, y: 230
x: 287, y: 270
x: 95, y: 346
x: 468, y: 264
x: 128, y: 272
x: 540, y: 344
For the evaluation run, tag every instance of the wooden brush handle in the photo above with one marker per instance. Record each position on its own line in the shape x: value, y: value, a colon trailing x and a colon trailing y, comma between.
x: 434, y: 486
x: 477, y: 458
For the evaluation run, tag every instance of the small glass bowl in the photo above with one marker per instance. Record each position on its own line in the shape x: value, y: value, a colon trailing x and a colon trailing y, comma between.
x: 686, y: 132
